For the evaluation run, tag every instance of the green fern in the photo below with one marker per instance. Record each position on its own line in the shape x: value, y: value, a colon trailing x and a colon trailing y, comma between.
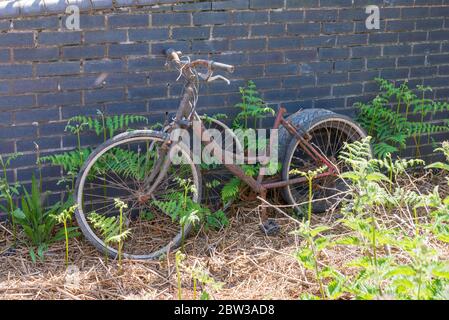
x: 107, y: 125
x: 230, y: 190
x: 391, y: 130
x: 251, y: 107
x: 109, y: 228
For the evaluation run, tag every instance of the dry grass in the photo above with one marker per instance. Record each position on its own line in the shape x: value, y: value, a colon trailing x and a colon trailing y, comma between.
x: 250, y: 264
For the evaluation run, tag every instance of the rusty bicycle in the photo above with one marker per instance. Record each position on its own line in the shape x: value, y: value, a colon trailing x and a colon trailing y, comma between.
x: 135, y: 167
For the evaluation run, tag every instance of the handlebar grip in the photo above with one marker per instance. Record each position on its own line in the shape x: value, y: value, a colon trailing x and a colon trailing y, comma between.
x: 173, y: 54
x: 227, y: 67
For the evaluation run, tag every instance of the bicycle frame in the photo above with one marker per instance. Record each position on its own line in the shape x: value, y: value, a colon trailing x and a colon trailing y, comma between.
x: 184, y: 117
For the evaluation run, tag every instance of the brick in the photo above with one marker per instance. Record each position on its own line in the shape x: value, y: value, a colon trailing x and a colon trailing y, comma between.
x: 77, y: 83
x: 206, y: 18
x: 230, y: 5
x: 303, y: 28
x: 423, y: 72
x: 331, y: 78
x: 411, y: 61
x: 321, y: 15
x: 281, y: 69
x: 59, y: 38
x: 15, y: 132
x: 35, y: 85
x: 36, y: 54
x: 400, y: 25
x: 4, y: 87
x: 15, y: 71
x: 300, y: 55
x: 137, y: 93
x: 133, y: 49
x: 84, y: 52
x: 105, y: 36
x: 338, y: 27
x: 144, y: 64
x: 361, y: 52
x: 267, y: 30
x: 128, y: 20
x: 165, y: 19
x: 59, y: 98
x: 91, y: 22
x: 442, y: 35
x: 419, y: 12
x: 349, y: 65
x: 148, y: 34
x: 336, y: 3
x: 266, y: 57
x: 314, y: 92
x: 104, y: 66
x: 230, y: 31
x: 393, y: 74
x: 17, y: 39
x: 185, y: 33
x: 36, y: 23
x: 397, y: 50
x: 383, y: 38
x: 429, y: 24
x: 126, y: 107
x: 381, y: 63
x: 353, y: 39
x: 320, y: 41
x: 266, y: 4
x: 426, y: 48
x: 284, y: 43
x: 248, y: 44
x: 349, y: 89
x: 301, y: 3
x: 16, y: 101
x: 209, y: 46
x: 280, y: 95
x: 287, y: 16
x: 412, y: 36
x: 249, y: 17
x: 4, y: 55
x: 57, y: 68
x: 104, y: 95
x: 30, y: 116
x: 333, y: 53
x: 314, y: 67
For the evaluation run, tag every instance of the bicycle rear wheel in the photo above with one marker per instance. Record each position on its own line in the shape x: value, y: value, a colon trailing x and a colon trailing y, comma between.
x: 329, y: 131
x: 121, y: 169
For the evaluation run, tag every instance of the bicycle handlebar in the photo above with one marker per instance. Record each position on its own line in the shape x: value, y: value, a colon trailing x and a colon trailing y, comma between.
x: 218, y: 65
x: 174, y: 55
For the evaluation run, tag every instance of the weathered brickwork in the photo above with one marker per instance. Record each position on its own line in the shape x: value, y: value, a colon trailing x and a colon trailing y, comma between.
x: 300, y: 53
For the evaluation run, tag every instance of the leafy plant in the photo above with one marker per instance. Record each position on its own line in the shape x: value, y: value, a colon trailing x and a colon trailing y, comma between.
x: 309, y: 175
x: 111, y: 229
x: 106, y: 126
x: 251, y: 107
x: 37, y: 221
x: 9, y: 191
x: 390, y: 129
x: 62, y: 218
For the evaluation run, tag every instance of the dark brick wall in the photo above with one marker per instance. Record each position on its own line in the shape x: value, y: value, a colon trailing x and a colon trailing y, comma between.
x: 301, y: 53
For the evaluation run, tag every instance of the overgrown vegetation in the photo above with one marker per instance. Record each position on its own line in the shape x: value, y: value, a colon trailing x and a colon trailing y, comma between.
x: 388, y: 118
x: 399, y: 261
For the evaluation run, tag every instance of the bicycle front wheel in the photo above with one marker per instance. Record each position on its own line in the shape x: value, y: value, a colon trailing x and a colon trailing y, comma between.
x: 128, y: 168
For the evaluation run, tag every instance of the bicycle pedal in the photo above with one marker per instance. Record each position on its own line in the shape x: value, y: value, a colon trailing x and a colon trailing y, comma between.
x: 270, y: 227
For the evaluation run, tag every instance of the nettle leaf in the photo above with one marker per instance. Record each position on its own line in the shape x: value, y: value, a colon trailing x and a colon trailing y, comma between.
x: 400, y: 271
x: 377, y: 176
